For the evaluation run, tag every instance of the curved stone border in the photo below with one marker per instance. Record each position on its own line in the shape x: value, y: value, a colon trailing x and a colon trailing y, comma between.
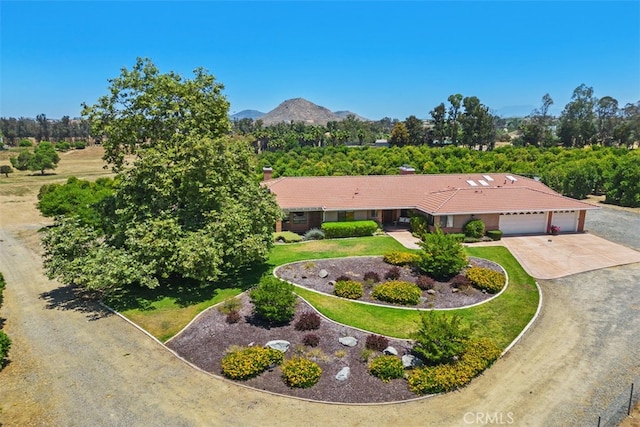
x: 504, y: 288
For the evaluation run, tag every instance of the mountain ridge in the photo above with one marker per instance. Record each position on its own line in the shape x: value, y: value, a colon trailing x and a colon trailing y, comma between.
x: 297, y: 110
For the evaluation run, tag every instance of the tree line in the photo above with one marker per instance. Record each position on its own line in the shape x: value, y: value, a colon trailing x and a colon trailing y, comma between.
x: 44, y: 129
x: 610, y: 171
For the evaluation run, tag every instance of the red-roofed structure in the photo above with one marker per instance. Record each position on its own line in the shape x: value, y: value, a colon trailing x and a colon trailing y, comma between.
x: 511, y: 203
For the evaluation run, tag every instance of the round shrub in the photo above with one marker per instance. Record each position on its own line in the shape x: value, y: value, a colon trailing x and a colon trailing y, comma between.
x: 494, y: 234
x: 425, y: 282
x: 25, y: 143
x: 308, y: 321
x: 400, y: 258
x: 250, y: 362
x: 371, y: 276
x: 386, y: 368
x: 299, y: 372
x: 348, y: 289
x: 376, y: 342
x: 392, y: 274
x: 487, y: 279
x: 460, y: 281
x: 273, y: 300
x: 311, y: 340
x: 397, y: 292
x: 474, y: 229
x: 232, y: 317
x: 314, y: 234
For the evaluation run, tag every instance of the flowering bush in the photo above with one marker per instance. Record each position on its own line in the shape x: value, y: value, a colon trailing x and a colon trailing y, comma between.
x: 300, y: 373
x: 398, y: 292
x: 487, y: 279
x: 555, y: 229
x: 249, y: 362
x: 386, y: 368
x: 348, y: 289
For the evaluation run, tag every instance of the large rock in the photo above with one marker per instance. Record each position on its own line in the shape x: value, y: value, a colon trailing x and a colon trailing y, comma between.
x: 344, y: 373
x: 390, y: 350
x: 323, y: 273
x: 410, y: 361
x: 348, y: 341
x: 431, y: 292
x: 280, y: 345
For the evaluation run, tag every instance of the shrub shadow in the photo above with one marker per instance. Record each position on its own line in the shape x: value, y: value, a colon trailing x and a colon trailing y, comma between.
x: 71, y: 297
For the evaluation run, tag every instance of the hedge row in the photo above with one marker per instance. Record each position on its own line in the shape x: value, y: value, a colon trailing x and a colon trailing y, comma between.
x: 333, y: 230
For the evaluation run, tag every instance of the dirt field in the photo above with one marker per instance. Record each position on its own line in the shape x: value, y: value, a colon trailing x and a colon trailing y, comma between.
x: 73, y: 364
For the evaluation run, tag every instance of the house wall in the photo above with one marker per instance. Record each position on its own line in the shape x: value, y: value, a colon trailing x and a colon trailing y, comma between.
x: 491, y: 222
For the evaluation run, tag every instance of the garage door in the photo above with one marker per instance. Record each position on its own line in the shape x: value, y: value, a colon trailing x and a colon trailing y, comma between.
x: 566, y: 220
x: 523, y: 223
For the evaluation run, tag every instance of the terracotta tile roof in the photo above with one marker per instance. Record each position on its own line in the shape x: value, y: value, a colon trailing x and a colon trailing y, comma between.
x: 435, y: 194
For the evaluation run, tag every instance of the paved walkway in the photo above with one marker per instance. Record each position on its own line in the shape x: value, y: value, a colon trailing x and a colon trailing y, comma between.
x: 405, y: 237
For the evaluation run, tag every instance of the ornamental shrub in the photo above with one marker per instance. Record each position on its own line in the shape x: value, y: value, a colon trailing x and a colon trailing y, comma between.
x: 334, y: 230
x: 25, y: 143
x: 229, y: 305
x: 419, y: 225
x: 487, y: 279
x: 442, y: 255
x: 249, y: 362
x: 371, y: 276
x: 392, y: 274
x: 287, y: 237
x: 479, y: 355
x: 299, y: 372
x: 5, y: 345
x: 400, y: 258
x: 343, y: 278
x: 425, y: 282
x: 348, y: 289
x: 439, y: 338
x: 314, y: 234
x: 397, y: 292
x: 311, y: 340
x: 376, y: 342
x: 460, y: 281
x: 386, y: 368
x: 232, y: 317
x: 308, y: 321
x: 494, y: 234
x: 474, y: 229
x: 273, y: 300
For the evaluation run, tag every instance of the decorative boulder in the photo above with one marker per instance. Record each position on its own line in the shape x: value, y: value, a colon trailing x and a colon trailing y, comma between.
x: 431, y: 292
x: 344, y: 373
x: 410, y: 361
x: 331, y: 283
x: 323, y: 273
x: 280, y: 345
x: 455, y: 290
x: 390, y: 350
x: 348, y: 341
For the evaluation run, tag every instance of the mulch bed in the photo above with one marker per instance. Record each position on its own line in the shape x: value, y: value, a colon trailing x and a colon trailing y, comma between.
x: 205, y: 340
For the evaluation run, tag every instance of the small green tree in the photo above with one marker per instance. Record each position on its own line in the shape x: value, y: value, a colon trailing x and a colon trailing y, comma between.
x: 442, y: 255
x: 474, y: 229
x: 44, y: 156
x: 274, y: 300
x: 6, y: 170
x: 440, y: 337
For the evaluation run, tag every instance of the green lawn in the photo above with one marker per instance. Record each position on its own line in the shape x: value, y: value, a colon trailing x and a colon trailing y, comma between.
x: 501, y: 319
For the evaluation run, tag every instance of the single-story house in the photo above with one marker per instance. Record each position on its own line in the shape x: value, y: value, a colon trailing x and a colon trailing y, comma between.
x: 508, y: 202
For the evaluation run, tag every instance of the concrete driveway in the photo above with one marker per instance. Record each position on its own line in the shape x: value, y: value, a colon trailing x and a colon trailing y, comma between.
x: 552, y: 257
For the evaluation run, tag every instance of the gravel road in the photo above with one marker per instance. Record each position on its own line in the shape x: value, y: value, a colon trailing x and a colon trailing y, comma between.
x: 75, y: 365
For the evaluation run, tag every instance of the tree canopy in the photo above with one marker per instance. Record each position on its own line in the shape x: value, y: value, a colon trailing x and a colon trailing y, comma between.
x: 42, y: 157
x: 188, y: 207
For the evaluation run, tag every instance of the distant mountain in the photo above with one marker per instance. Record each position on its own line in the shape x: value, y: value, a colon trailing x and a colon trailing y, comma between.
x: 344, y: 114
x: 247, y: 114
x: 300, y: 110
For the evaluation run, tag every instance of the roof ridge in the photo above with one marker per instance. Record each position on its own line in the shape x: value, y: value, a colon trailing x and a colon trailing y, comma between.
x: 453, y: 193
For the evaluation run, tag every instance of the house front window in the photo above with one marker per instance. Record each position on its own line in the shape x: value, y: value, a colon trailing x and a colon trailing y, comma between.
x: 373, y: 214
x: 345, y: 216
x: 446, y: 221
x: 299, y: 217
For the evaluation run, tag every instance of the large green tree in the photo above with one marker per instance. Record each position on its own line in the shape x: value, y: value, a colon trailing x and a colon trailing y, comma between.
x: 578, y: 119
x: 189, y: 206
x: 43, y: 157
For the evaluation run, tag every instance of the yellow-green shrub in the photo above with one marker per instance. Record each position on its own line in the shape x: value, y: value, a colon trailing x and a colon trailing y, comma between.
x: 348, y: 289
x: 487, y: 279
x: 398, y: 292
x: 250, y: 362
x: 480, y: 354
x: 401, y: 258
x: 300, y: 372
x: 386, y: 368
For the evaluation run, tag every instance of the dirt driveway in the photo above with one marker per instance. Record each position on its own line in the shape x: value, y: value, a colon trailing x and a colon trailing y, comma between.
x: 73, y: 364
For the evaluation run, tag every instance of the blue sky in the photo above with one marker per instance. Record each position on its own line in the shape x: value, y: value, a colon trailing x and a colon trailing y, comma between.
x: 376, y: 58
